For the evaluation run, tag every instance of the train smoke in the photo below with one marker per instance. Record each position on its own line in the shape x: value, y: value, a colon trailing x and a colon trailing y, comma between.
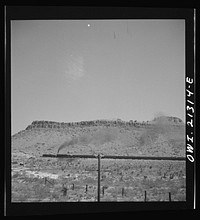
x: 161, y: 126
x: 67, y: 143
x: 97, y: 138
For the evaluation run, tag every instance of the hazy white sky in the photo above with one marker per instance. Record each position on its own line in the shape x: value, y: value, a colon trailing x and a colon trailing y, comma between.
x: 74, y: 70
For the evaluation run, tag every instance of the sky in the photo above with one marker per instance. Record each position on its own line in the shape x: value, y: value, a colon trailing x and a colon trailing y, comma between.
x: 78, y: 70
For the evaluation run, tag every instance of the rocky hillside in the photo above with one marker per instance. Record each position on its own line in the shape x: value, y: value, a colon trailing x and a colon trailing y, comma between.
x: 62, y: 125
x: 163, y: 136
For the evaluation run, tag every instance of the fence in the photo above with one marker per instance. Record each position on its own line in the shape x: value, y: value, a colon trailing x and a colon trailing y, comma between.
x: 99, y: 157
x: 122, y: 192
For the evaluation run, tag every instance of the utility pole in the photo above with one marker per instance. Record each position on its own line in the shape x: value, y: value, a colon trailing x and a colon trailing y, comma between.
x: 98, y: 188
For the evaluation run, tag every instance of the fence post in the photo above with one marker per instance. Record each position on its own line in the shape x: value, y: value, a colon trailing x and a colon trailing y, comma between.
x: 122, y: 191
x: 145, y: 196
x: 86, y: 188
x: 103, y: 190
x: 64, y: 190
x: 73, y: 186
x: 98, y: 188
x: 170, y: 196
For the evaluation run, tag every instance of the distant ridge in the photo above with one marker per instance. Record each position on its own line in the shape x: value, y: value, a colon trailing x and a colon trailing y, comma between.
x: 104, y: 122
x: 163, y: 136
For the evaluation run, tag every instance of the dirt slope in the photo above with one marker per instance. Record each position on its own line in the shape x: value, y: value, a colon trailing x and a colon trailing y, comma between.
x: 40, y: 179
x: 158, y: 139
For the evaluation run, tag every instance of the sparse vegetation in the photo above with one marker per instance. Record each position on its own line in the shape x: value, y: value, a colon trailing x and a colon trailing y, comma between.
x: 53, y: 180
x: 115, y: 175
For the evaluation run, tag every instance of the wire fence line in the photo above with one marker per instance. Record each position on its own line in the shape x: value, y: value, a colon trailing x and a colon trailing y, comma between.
x: 120, y: 192
x: 102, y: 191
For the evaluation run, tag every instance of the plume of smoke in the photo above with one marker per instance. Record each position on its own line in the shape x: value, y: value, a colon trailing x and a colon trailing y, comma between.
x: 104, y: 135
x: 67, y: 143
x: 160, y: 126
x: 97, y: 138
x: 159, y: 114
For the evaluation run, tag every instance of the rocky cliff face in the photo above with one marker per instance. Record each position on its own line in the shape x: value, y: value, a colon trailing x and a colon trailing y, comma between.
x: 62, y: 125
x: 155, y: 138
x: 114, y: 123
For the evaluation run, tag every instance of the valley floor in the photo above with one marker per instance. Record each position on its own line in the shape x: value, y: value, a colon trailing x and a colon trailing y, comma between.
x: 38, y: 179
